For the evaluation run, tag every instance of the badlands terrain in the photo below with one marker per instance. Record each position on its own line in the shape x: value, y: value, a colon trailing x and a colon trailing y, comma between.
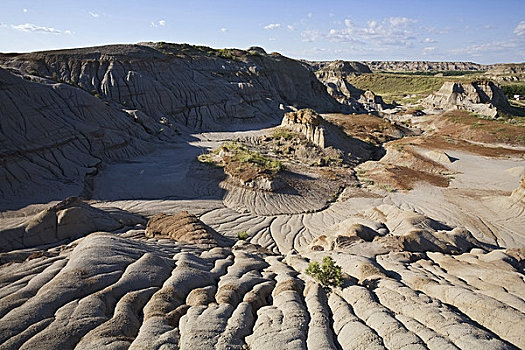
x: 166, y: 196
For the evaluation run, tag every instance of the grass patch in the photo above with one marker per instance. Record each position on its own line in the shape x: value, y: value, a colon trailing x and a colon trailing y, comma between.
x: 243, y: 155
x: 240, y: 162
x: 396, y: 86
x: 283, y: 133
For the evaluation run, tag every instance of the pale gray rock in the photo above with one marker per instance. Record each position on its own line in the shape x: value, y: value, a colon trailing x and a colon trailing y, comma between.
x: 483, y: 98
x: 69, y: 219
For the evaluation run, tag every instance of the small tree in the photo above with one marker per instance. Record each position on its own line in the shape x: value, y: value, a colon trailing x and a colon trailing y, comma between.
x: 327, y: 274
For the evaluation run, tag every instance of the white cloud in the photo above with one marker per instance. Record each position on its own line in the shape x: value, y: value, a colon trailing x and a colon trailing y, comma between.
x: 224, y: 30
x: 400, y: 21
x: 429, y: 41
x: 161, y: 23
x: 490, y: 47
x: 29, y: 27
x: 309, y: 15
x: 290, y: 27
x: 271, y: 39
x: 94, y: 14
x: 429, y: 49
x: 310, y: 35
x: 520, y: 29
x: 392, y: 31
x: 24, y: 10
x: 272, y: 26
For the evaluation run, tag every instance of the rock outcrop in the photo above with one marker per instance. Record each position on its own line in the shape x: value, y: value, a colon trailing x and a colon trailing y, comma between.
x: 67, y: 220
x: 66, y: 113
x: 308, y: 123
x: 424, y: 66
x: 334, y: 75
x: 182, y: 227
x: 325, y: 134
x: 483, y: 98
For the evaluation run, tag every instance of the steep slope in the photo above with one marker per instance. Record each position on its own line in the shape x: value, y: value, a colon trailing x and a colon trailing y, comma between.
x: 65, y: 113
x: 334, y: 75
x: 483, y: 98
x: 199, y: 87
x: 52, y: 135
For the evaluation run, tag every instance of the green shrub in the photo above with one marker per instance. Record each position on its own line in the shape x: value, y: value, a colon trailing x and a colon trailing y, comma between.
x: 327, y: 274
x: 282, y: 133
x: 514, y: 89
x: 242, y: 235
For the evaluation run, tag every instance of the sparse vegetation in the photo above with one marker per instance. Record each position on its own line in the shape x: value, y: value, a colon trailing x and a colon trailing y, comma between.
x: 283, y: 133
x: 406, y: 87
x: 243, y: 235
x: 445, y: 73
x: 513, y: 89
x: 241, y: 162
x: 243, y: 155
x: 328, y: 274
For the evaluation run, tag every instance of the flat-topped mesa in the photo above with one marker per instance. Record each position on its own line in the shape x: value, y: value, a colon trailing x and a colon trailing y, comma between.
x: 307, y: 122
x: 484, y: 98
x: 424, y: 66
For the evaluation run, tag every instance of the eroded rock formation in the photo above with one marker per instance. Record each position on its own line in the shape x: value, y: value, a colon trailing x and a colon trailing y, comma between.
x: 182, y: 227
x: 482, y: 98
x: 66, y: 113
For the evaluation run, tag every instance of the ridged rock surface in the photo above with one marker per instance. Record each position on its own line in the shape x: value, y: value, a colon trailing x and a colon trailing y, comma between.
x: 64, y: 114
x: 427, y: 268
x: 483, y: 98
x: 182, y: 227
x: 151, y: 293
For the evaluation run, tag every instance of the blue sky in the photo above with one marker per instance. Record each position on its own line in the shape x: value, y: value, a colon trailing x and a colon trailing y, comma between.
x: 480, y: 31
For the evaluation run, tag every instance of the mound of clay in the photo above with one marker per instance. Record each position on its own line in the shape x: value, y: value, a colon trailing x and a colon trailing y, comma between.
x: 394, y: 229
x: 69, y: 219
x: 482, y: 98
x: 182, y: 227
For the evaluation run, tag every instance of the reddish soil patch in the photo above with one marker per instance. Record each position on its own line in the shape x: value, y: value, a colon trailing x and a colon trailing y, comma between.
x: 403, y: 178
x: 369, y: 128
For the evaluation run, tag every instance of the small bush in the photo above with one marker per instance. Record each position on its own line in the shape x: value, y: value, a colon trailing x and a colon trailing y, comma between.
x: 327, y: 274
x: 243, y: 235
x: 286, y: 134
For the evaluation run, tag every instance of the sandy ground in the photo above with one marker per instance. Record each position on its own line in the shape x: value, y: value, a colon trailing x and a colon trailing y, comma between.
x: 171, y: 179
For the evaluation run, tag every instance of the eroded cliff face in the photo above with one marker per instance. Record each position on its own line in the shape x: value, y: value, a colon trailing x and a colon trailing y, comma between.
x: 334, y: 76
x: 424, y: 66
x: 483, y: 98
x: 200, y: 88
x: 65, y: 113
